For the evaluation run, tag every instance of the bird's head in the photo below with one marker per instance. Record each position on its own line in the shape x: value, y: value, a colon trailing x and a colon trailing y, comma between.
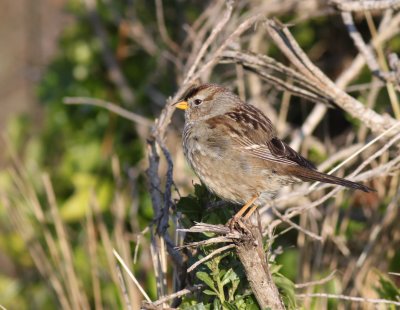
x: 206, y: 101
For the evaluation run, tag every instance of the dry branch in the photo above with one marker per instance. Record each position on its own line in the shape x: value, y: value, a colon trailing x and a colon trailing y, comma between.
x: 248, y: 243
x: 365, y: 5
x: 288, y: 45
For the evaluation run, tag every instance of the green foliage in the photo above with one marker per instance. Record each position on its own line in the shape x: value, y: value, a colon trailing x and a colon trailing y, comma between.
x: 197, y: 207
x: 223, y: 276
x: 285, y: 286
x: 387, y: 289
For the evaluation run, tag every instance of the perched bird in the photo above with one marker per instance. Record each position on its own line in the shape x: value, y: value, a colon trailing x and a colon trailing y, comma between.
x: 233, y: 148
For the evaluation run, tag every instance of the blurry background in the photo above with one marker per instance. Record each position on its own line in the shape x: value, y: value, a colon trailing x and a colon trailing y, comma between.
x: 73, y: 182
x: 30, y: 32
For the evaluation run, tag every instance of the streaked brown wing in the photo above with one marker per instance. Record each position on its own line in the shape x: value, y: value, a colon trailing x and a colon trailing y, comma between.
x: 255, y: 134
x: 281, y: 149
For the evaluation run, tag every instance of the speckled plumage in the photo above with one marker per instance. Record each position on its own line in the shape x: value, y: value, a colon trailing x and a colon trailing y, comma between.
x: 233, y: 148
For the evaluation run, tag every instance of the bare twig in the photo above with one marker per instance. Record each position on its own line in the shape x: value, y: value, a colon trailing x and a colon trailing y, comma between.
x: 386, y: 132
x: 287, y: 44
x: 163, y: 29
x: 217, y: 29
x: 178, y: 294
x: 365, y: 5
x: 317, y: 282
x: 294, y: 225
x: 363, y: 48
x: 350, y: 298
x: 111, y: 107
x: 219, y: 239
x: 209, y: 256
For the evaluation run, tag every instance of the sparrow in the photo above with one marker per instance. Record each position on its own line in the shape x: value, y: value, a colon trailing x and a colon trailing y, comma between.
x: 233, y: 148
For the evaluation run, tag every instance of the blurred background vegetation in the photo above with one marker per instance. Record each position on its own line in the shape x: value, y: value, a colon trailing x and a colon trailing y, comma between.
x: 73, y: 178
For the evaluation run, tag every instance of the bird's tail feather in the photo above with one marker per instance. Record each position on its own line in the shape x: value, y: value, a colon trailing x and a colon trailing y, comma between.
x: 314, y: 175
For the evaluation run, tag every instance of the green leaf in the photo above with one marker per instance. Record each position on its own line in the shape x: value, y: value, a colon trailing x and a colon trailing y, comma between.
x: 227, y: 305
x: 232, y: 290
x: 203, y: 276
x: 217, y: 304
x: 199, y: 306
x: 211, y: 293
x: 388, y: 289
x: 274, y: 268
x: 229, y: 276
x: 286, y: 287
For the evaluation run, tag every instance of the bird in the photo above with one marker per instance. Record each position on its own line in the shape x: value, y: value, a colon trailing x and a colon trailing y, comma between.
x: 233, y: 148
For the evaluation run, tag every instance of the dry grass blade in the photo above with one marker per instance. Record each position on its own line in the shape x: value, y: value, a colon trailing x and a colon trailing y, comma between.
x: 74, y: 286
x: 37, y: 252
x: 107, y: 244
x: 92, y: 250
x: 133, y: 278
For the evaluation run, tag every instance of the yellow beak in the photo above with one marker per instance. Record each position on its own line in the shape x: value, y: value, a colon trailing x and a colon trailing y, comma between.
x: 183, y: 105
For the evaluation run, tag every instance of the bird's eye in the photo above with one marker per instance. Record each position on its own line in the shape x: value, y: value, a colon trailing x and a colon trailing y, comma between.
x: 197, y: 101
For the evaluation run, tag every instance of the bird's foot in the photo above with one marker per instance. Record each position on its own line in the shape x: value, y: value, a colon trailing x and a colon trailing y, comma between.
x: 238, y: 224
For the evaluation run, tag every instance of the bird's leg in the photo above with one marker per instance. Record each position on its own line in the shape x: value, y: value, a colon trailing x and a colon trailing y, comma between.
x: 251, y: 211
x: 239, y: 214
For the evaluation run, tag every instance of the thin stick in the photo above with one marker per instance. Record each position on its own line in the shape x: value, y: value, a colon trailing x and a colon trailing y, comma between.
x: 395, y: 125
x: 163, y: 29
x: 366, y: 5
x: 363, y: 48
x: 294, y: 225
x: 350, y: 298
x: 381, y: 58
x: 209, y: 256
x: 131, y: 275
x: 217, y: 29
x: 177, y: 294
x: 317, y: 282
x: 220, y: 239
x: 289, y: 46
x: 111, y: 107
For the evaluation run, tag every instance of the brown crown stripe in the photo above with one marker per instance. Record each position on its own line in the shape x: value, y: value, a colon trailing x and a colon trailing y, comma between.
x: 192, y: 91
